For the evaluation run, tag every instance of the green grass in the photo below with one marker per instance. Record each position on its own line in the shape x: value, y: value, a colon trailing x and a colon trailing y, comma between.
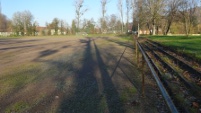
x: 17, y: 107
x: 43, y: 36
x: 10, y: 37
x: 127, y: 93
x: 189, y: 45
x: 18, y: 77
x: 123, y: 36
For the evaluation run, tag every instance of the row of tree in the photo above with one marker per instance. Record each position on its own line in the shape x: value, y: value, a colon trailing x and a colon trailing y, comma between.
x: 106, y: 23
x: 110, y: 24
x: 163, y: 14
x: 156, y: 16
x: 22, y: 23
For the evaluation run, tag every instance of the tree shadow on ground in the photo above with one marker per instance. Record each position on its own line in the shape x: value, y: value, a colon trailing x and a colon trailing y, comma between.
x: 47, y: 52
x: 19, y: 47
x: 85, y: 98
x: 16, y: 41
x: 125, y: 44
x: 109, y: 90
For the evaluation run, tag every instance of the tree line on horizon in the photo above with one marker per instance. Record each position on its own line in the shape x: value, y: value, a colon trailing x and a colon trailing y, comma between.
x: 154, y: 16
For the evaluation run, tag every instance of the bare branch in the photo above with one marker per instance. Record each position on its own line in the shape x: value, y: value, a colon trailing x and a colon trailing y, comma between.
x: 79, y: 10
x: 104, y: 10
x: 120, y: 8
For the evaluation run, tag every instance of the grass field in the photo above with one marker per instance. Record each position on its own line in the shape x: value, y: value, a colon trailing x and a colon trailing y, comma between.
x: 189, y: 45
x: 70, y: 75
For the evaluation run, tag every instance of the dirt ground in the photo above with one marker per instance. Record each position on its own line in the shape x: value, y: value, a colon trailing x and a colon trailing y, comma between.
x: 74, y: 75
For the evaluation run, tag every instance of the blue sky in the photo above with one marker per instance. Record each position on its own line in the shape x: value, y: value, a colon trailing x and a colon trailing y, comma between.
x: 45, y: 10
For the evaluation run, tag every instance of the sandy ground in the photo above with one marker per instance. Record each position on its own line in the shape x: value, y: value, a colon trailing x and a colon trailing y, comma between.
x: 73, y: 75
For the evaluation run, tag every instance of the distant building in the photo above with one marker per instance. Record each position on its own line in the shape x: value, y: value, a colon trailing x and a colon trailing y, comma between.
x: 41, y: 30
x: 46, y: 31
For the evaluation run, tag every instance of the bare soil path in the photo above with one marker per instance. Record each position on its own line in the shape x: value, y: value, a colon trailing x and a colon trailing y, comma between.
x: 73, y: 75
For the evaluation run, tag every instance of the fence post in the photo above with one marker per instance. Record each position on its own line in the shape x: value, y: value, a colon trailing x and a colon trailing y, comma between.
x: 136, y: 49
x: 143, y: 76
x: 165, y: 94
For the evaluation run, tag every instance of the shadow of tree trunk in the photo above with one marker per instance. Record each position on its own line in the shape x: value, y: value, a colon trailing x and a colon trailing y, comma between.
x: 110, y: 92
x: 85, y: 99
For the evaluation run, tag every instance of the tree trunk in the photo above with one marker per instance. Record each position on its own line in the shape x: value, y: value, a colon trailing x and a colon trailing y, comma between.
x: 122, y: 22
x: 168, y: 28
x: 78, y: 23
x: 122, y: 27
x: 154, y: 29
x: 186, y: 27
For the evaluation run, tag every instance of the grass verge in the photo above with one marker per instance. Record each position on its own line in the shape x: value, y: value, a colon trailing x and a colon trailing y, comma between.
x: 190, y: 46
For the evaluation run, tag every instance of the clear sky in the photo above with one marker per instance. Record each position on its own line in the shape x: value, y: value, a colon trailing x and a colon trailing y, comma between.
x: 45, y: 10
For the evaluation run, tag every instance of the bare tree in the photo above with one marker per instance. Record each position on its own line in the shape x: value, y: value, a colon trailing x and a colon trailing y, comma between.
x: 199, y: 18
x: 187, y: 11
x: 89, y: 26
x: 133, y: 4
x: 171, y: 11
x: 35, y: 25
x: 55, y: 25
x: 3, y: 23
x: 79, y: 10
x: 154, y: 9
x: 84, y: 24
x: 23, y: 22
x: 112, y: 23
x: 62, y: 26
x: 156, y: 14
x: 27, y: 18
x: 103, y: 7
x: 120, y: 8
x: 128, y: 9
x: 73, y: 27
x: 139, y: 14
x: 17, y: 23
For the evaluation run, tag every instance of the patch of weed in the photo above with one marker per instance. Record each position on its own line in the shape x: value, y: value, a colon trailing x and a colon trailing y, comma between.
x: 17, y: 107
x: 18, y: 77
x: 127, y: 94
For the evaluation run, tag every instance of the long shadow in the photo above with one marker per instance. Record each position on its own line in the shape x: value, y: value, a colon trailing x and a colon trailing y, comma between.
x: 110, y: 92
x: 118, y: 63
x: 126, y: 44
x: 85, y: 99
x: 31, y: 45
x: 134, y: 82
x: 16, y: 41
x: 47, y: 52
x: 19, y: 47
